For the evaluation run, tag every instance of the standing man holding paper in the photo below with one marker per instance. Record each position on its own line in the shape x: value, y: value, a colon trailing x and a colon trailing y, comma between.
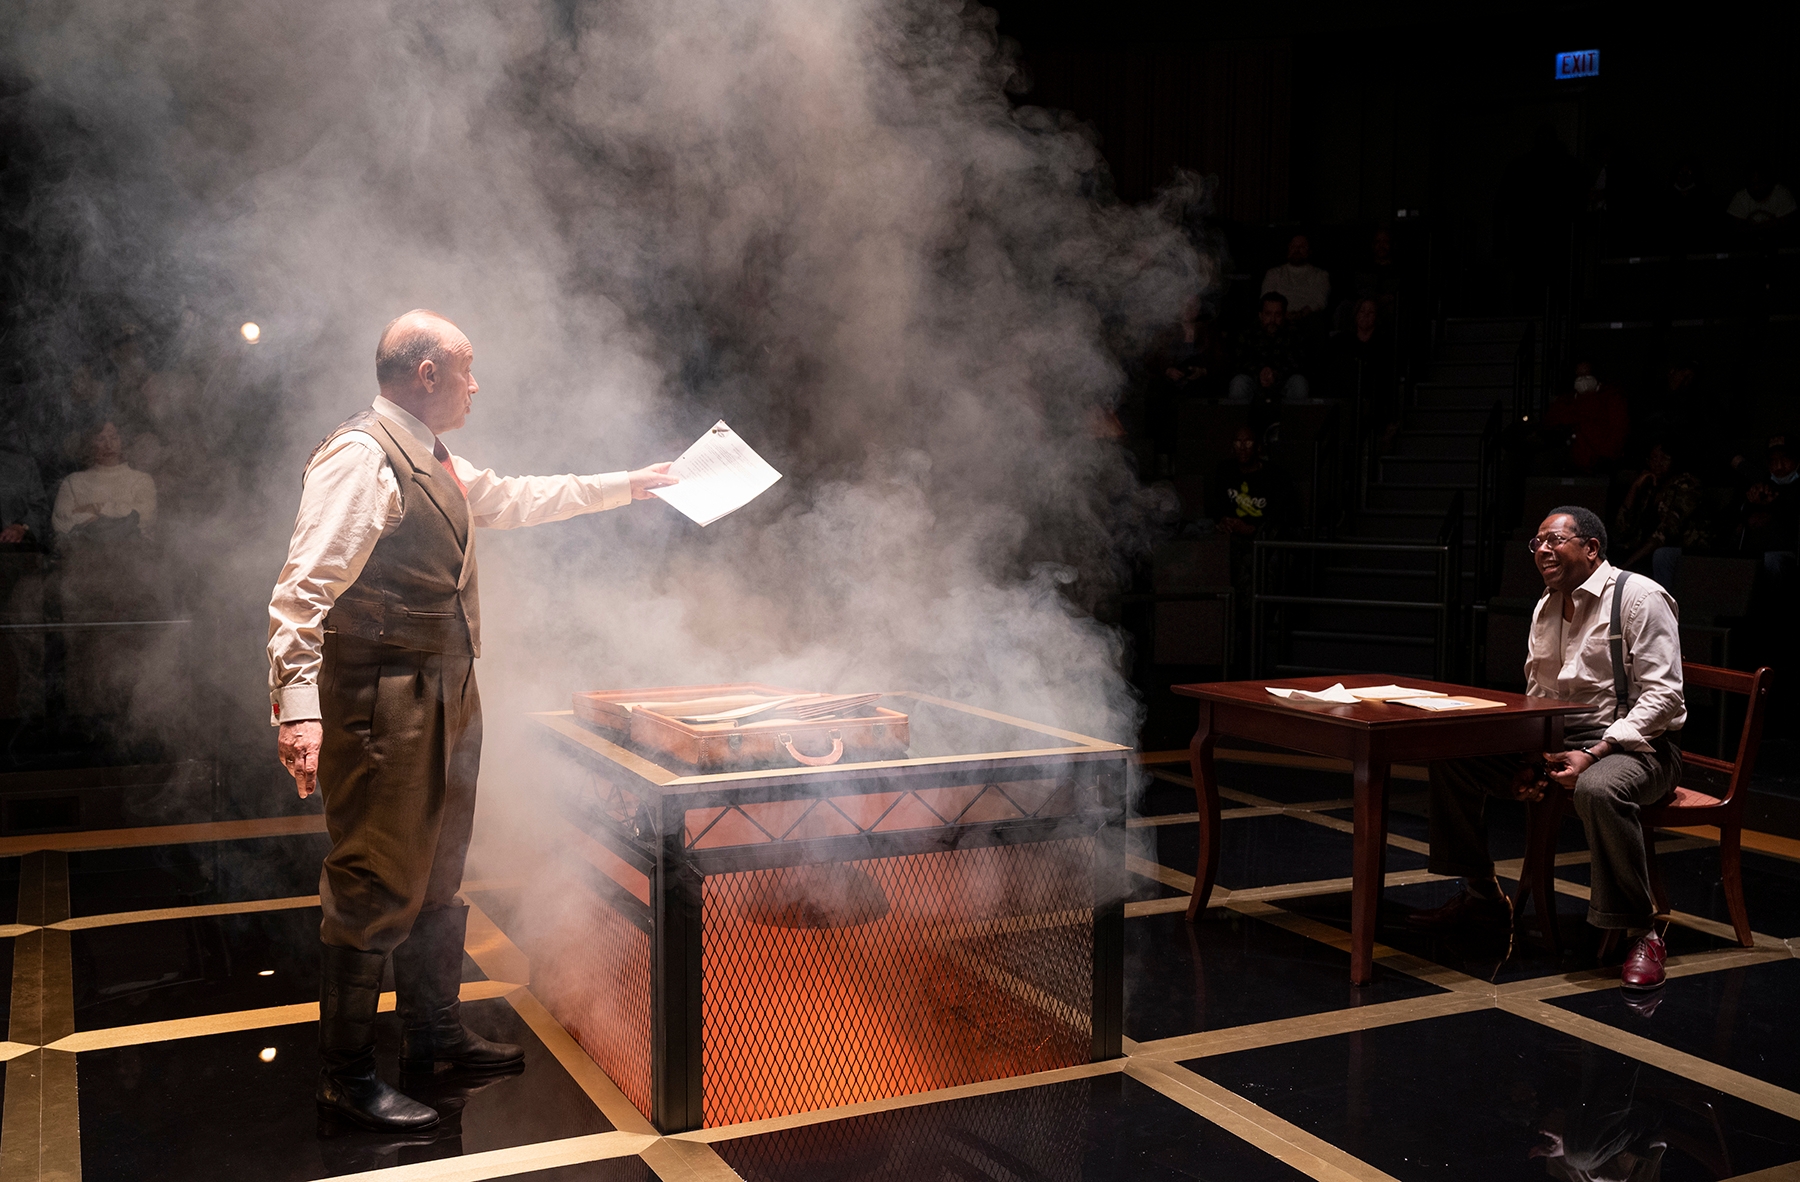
x: 374, y: 627
x: 1609, y: 638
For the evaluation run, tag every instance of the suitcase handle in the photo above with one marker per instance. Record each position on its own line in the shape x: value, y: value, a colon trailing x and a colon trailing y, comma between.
x: 836, y: 753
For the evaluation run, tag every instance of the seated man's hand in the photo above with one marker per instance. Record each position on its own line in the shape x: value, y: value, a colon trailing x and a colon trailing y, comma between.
x: 1528, y: 784
x: 1565, y: 767
x: 13, y: 533
x: 655, y: 476
x: 298, y: 745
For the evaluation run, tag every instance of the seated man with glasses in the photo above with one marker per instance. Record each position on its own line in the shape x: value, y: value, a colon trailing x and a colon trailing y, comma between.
x: 1618, y: 758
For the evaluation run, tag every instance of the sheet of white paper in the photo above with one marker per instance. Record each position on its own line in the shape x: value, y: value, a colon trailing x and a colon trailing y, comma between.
x: 1336, y: 693
x: 719, y: 475
x: 1394, y: 693
x: 1439, y: 703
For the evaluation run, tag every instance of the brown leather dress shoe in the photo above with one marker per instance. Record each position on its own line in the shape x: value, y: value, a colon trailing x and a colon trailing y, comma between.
x: 1465, y: 911
x: 1644, y: 963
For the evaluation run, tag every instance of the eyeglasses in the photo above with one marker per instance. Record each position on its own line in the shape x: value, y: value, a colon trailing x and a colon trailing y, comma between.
x: 1552, y: 541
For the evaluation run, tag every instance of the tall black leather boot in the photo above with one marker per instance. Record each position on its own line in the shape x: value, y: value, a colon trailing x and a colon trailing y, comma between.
x: 427, y: 975
x: 349, y: 991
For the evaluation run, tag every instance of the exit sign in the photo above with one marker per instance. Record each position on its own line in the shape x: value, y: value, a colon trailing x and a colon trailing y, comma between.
x: 1581, y: 63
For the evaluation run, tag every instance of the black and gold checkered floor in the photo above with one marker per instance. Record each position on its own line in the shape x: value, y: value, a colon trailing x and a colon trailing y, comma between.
x: 161, y: 1016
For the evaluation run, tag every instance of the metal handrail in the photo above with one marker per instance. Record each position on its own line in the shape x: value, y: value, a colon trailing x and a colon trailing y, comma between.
x: 93, y: 625
x: 1448, y: 551
x: 1487, y: 502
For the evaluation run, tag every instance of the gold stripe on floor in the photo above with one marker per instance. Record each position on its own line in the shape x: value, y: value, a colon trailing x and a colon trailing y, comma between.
x: 40, y: 1128
x: 1787, y: 1173
x: 1679, y: 1063
x: 687, y: 1161
x: 504, y: 1163
x: 113, y: 919
x: 1308, y: 1026
x: 987, y: 1087
x: 230, y: 1023
x: 113, y: 839
x: 1251, y: 1122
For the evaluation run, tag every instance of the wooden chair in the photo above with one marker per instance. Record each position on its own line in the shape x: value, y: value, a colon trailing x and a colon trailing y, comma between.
x: 1684, y: 806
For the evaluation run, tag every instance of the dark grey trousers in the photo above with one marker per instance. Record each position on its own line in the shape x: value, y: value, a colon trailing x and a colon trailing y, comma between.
x: 1608, y: 796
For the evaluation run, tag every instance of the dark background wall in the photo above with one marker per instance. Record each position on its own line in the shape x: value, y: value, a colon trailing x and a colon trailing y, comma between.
x: 1330, y: 115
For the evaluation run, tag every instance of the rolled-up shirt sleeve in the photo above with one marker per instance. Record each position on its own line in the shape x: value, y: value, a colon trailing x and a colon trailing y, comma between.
x: 349, y: 497
x: 1653, y: 638
x: 508, y: 502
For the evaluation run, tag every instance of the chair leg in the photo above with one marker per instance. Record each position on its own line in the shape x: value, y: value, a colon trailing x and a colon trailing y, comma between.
x: 1537, y: 875
x: 1732, y: 872
x: 1658, y: 895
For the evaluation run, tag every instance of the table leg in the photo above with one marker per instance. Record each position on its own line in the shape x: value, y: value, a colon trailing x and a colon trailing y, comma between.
x: 1206, y: 795
x: 1368, y: 866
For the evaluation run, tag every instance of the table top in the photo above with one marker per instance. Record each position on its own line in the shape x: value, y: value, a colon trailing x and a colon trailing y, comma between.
x: 945, y: 735
x: 1376, y: 715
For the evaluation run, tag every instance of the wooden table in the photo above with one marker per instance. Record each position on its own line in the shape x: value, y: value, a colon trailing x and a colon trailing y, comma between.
x: 1373, y: 736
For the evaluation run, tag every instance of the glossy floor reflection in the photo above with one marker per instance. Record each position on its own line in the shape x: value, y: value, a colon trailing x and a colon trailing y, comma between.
x: 1484, y: 1095
x: 223, y: 1106
x: 1182, y: 978
x: 1269, y: 850
x: 212, y: 964
x: 1105, y: 1129
x: 146, y: 877
x: 1531, y: 1053
x: 1738, y: 1018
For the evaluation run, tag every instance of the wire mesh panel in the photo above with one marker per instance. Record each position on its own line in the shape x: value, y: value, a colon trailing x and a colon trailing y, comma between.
x: 598, y: 985
x: 835, y: 983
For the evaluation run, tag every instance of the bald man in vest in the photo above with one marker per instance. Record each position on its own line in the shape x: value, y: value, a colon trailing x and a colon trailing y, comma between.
x: 373, y: 633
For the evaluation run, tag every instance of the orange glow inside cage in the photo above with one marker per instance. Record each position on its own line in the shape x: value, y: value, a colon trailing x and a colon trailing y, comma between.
x: 842, y: 982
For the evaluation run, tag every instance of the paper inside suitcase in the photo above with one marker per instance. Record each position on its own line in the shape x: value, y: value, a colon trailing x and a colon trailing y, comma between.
x: 746, y: 726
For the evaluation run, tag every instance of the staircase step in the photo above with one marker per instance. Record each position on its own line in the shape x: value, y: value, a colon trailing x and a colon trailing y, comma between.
x: 1486, y: 328
x: 1466, y: 352
x: 1359, y: 654
x: 1451, y: 418
x: 1485, y: 372
x: 1461, y: 395
x: 1444, y: 471
x: 1443, y: 444
x: 1433, y: 498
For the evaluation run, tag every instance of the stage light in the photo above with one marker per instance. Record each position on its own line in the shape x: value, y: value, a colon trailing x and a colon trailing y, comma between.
x: 252, y: 331
x: 267, y: 1055
x: 266, y: 973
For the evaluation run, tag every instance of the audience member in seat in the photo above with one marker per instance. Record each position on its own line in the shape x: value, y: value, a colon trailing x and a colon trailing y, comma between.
x: 1661, y: 516
x: 1768, y: 523
x: 1188, y: 354
x: 1763, y: 204
x: 1593, y: 419
x: 108, y: 499
x: 1269, y: 360
x: 24, y: 510
x: 1360, y: 362
x: 1307, y: 288
x: 1248, y: 499
x: 1379, y: 278
x: 1618, y: 756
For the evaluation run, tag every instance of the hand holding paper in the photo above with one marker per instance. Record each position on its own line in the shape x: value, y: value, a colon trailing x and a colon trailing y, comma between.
x: 719, y: 475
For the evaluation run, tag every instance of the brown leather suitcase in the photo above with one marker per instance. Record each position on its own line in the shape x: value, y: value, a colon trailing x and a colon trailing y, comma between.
x: 642, y: 719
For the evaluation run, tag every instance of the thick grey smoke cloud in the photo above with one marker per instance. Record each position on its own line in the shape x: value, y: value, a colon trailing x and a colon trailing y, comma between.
x: 822, y: 220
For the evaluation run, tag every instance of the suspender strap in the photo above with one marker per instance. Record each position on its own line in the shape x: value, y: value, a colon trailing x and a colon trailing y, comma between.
x: 1616, y: 641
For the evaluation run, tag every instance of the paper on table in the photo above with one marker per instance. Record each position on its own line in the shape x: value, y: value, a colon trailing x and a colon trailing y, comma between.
x: 1394, y: 693
x: 719, y: 475
x: 1336, y: 693
x: 1447, y: 703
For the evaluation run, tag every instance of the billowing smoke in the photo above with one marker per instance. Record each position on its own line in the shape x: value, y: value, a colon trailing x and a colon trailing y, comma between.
x: 822, y: 220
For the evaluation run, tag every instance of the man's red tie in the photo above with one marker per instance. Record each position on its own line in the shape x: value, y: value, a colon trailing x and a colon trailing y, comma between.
x: 443, y: 457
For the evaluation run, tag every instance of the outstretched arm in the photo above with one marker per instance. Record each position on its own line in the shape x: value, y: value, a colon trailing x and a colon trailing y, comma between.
x: 508, y: 502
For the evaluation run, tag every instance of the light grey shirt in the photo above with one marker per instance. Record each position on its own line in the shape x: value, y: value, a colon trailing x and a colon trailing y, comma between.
x: 1574, y: 660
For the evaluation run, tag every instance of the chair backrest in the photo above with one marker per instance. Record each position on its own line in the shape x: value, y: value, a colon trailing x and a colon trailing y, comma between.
x: 1755, y: 686
x: 1709, y: 589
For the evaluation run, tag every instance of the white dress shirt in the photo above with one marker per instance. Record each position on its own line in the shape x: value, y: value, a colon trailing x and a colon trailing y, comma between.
x: 1574, y: 659
x: 1307, y: 288
x: 349, y: 501
x: 116, y: 490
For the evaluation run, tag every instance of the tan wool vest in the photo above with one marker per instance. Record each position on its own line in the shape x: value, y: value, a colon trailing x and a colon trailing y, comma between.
x: 418, y: 589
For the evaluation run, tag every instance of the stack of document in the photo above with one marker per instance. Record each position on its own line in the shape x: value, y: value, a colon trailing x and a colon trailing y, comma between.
x: 1350, y: 697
